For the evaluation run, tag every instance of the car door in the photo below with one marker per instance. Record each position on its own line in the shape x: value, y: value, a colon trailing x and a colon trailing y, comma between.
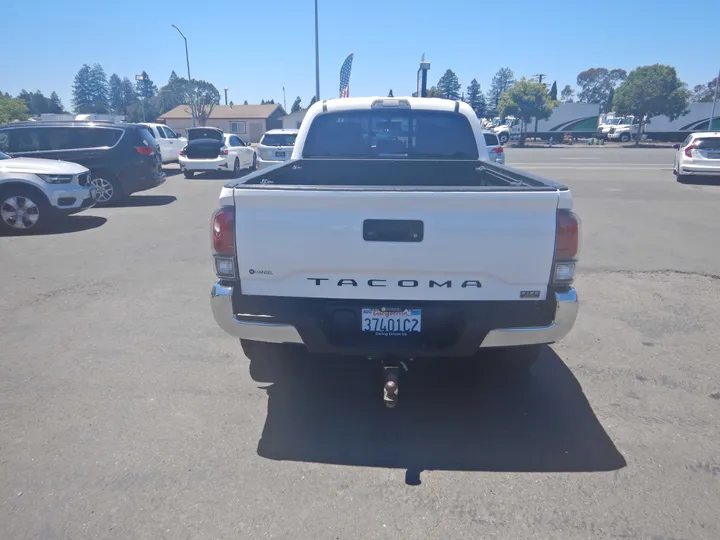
x: 237, y: 149
x: 166, y: 149
x: 248, y: 153
x: 175, y: 142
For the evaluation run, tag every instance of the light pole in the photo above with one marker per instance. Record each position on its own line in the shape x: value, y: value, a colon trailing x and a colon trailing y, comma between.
x: 317, y: 56
x: 226, y: 89
x: 284, y: 102
x: 712, y: 114
x: 187, y: 59
x: 140, y: 78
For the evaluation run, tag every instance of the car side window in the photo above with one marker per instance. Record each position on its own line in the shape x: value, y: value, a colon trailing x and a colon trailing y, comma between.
x: 25, y: 140
x: 234, y: 141
x: 57, y: 138
x: 687, y: 141
x: 170, y: 133
x: 5, y: 141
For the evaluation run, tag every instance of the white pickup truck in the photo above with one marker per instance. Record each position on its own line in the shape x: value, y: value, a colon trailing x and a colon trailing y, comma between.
x: 389, y: 234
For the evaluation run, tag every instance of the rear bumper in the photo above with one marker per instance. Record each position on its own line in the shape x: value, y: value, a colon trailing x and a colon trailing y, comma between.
x: 214, y: 164
x: 702, y: 171
x: 260, y: 328
x: 265, y: 163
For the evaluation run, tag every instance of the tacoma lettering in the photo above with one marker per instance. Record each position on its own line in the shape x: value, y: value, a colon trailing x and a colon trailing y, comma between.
x: 404, y: 283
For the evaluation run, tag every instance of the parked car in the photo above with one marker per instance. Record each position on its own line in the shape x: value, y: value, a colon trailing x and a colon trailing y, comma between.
x: 495, y: 149
x: 429, y: 250
x: 209, y: 149
x: 33, y: 192
x: 122, y: 158
x: 698, y: 154
x: 275, y: 147
x: 170, y: 142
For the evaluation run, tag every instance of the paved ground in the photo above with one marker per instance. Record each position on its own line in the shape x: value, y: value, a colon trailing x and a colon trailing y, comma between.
x: 126, y: 414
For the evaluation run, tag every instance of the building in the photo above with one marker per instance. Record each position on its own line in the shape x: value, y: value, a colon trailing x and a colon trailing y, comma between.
x: 293, y: 120
x: 250, y: 122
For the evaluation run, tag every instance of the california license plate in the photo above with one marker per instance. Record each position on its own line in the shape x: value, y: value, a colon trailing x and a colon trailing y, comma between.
x: 391, y: 321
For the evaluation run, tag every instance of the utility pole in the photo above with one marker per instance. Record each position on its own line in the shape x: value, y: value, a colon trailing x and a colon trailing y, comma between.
x: 712, y: 114
x: 284, y: 101
x: 317, y: 55
x: 226, y: 89
x: 187, y: 60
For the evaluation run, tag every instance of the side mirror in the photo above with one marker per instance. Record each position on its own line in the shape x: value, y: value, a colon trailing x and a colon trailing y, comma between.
x: 676, y: 146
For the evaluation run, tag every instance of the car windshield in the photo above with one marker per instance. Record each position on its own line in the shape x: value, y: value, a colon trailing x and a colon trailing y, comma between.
x: 279, y: 139
x: 4, y: 156
x: 396, y: 133
x: 201, y: 133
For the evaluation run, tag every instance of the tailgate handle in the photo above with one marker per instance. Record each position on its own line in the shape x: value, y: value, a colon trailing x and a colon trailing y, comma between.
x: 393, y: 230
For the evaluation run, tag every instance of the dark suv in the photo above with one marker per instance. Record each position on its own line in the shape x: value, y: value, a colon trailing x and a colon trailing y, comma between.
x: 122, y: 158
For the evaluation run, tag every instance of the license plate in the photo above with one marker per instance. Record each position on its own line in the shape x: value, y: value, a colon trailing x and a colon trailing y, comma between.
x: 279, y: 154
x: 391, y: 321
x: 713, y: 155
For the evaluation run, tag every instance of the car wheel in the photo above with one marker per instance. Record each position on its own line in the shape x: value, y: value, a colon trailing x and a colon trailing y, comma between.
x: 503, y: 138
x: 236, y: 168
x: 107, y: 188
x: 625, y: 137
x: 23, y: 210
x: 188, y: 174
x: 269, y: 361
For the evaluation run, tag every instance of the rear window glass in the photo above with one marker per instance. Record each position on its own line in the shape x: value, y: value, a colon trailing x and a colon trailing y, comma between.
x: 707, y: 143
x: 491, y: 140
x: 397, y: 133
x: 195, y: 134
x: 279, y: 139
x: 146, y: 136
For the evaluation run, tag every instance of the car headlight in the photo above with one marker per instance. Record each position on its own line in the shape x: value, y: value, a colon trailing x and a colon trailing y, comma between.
x: 56, y: 178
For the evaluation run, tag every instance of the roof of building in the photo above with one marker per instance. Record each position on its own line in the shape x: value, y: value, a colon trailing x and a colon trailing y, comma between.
x: 225, y: 112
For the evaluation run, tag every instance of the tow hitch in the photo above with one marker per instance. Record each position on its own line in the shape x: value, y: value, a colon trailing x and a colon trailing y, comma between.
x: 391, y: 373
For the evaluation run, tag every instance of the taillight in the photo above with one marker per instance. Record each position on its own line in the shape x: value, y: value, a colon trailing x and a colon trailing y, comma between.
x: 567, y: 246
x: 223, y: 151
x: 498, y: 150
x: 144, y: 150
x: 688, y: 150
x: 223, y: 241
x: 183, y: 151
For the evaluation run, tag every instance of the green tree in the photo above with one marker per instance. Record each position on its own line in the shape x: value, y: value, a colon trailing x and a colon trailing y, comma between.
x: 313, y: 100
x: 98, y: 85
x: 129, y: 94
x: 652, y: 91
x: 434, y: 91
x: 246, y: 102
x: 704, y: 92
x: 56, y: 105
x: 12, y: 109
x: 296, y: 106
x: 526, y: 100
x: 449, y: 85
x: 175, y: 92
x: 475, y: 98
x: 553, y: 91
x: 146, y: 89
x: 83, y: 99
x: 596, y: 84
x: 390, y: 93
x: 203, y: 99
x: 567, y: 94
x: 117, y: 103
x: 501, y: 82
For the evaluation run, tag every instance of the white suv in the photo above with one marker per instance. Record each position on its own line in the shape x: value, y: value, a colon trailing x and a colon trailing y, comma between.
x: 33, y: 191
x: 275, y: 146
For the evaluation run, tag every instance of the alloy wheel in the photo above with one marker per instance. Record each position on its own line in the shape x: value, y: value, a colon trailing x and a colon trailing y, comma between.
x: 104, y: 190
x: 19, y: 212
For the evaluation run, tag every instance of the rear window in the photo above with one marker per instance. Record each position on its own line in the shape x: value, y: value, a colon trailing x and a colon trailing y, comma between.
x: 707, y: 143
x: 384, y: 134
x: 195, y: 134
x: 146, y: 137
x: 491, y: 140
x: 279, y: 139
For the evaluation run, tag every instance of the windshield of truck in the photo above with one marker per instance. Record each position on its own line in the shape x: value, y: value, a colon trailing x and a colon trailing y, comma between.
x: 397, y: 133
x: 279, y: 139
x: 200, y: 133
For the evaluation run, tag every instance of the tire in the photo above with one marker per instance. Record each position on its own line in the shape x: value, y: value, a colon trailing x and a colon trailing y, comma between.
x: 236, y: 168
x: 253, y: 167
x: 108, y: 190
x: 268, y: 361
x: 188, y: 174
x: 503, y: 138
x: 625, y: 137
x: 23, y: 210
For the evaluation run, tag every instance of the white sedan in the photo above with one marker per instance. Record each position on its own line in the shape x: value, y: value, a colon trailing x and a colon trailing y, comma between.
x: 699, y: 155
x: 210, y: 150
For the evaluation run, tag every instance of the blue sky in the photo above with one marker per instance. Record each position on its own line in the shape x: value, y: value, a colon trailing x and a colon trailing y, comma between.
x: 257, y: 47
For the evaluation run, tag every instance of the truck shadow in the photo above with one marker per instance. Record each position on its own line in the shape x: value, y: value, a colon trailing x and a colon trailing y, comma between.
x: 463, y: 419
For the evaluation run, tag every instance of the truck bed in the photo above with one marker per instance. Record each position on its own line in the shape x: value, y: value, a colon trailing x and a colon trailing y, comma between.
x: 394, y: 175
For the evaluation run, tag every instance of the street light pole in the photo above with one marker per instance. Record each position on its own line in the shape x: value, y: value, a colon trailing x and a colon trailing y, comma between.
x: 284, y: 101
x: 187, y: 60
x: 712, y: 114
x: 317, y: 56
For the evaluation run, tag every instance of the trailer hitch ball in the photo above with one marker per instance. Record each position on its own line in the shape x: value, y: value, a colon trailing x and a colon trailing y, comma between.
x: 390, y: 389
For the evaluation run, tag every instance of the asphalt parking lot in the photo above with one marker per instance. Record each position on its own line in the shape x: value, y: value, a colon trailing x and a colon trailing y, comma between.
x: 125, y: 413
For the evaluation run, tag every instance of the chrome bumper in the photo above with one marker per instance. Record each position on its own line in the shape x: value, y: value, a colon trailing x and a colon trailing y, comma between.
x: 565, y: 315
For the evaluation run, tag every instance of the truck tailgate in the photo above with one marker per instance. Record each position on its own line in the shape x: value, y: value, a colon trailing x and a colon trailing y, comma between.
x: 395, y: 245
